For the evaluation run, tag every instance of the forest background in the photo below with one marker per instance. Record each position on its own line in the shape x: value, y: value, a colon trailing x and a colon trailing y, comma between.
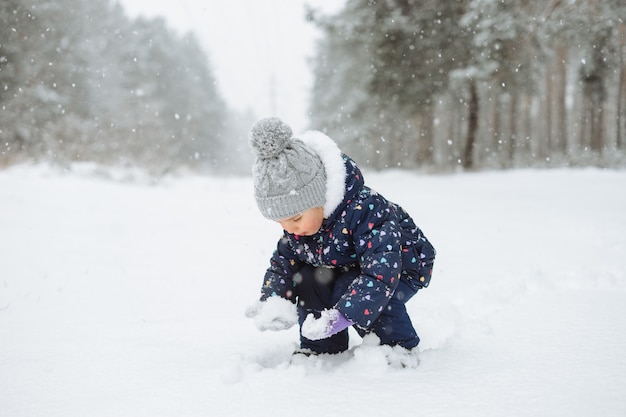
x: 431, y: 85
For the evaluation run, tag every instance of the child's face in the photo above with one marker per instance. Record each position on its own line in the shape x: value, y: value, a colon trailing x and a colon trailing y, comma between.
x: 306, y: 223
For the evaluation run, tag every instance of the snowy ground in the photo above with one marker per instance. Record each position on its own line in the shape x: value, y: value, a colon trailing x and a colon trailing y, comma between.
x: 124, y: 298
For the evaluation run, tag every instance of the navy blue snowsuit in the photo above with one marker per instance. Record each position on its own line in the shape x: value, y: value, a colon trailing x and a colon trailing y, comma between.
x: 367, y: 260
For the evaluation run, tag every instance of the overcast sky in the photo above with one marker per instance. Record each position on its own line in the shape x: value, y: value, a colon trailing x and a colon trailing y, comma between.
x: 258, y: 49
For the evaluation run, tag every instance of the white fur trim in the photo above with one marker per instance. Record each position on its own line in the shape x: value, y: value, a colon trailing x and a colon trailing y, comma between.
x: 331, y: 157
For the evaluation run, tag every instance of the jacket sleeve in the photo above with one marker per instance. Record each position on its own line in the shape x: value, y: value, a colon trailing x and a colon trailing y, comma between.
x: 278, y: 279
x: 377, y: 243
x: 426, y: 254
x: 418, y: 254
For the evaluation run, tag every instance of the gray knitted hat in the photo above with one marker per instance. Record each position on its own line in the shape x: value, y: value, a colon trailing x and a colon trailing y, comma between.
x: 289, y: 177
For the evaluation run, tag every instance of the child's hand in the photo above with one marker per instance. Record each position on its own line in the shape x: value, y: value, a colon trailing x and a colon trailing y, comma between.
x: 330, y: 322
x: 275, y: 313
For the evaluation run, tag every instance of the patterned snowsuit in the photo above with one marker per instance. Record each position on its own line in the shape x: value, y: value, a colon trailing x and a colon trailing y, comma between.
x: 368, y: 259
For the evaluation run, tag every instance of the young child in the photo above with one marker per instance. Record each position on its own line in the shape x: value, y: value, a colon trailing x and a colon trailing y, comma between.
x: 348, y: 257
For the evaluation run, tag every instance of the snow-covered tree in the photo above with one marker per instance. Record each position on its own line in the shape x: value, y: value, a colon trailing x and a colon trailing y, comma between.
x: 474, y: 82
x: 81, y: 81
x: 393, y: 58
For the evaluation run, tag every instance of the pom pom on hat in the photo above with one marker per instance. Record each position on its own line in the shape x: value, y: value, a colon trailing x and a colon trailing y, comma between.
x: 269, y: 137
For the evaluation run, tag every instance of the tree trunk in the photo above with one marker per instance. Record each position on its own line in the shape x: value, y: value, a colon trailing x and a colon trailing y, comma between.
x: 493, y: 151
x: 597, y: 125
x: 621, y: 92
x: 595, y: 90
x: 423, y: 128
x: 593, y: 105
x: 560, y: 93
x: 584, y: 123
x: 548, y: 144
x: 427, y: 142
x: 512, y: 144
x: 527, y: 109
x: 472, y: 126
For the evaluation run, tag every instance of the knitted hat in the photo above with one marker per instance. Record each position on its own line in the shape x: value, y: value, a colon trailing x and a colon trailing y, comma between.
x: 289, y: 176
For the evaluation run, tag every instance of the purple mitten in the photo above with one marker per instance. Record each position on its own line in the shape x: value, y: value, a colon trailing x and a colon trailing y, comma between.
x: 330, y: 322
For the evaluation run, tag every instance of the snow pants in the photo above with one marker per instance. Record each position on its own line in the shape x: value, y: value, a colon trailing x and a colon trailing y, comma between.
x: 321, y: 288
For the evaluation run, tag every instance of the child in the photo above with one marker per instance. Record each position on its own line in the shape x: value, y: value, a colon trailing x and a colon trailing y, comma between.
x: 348, y: 257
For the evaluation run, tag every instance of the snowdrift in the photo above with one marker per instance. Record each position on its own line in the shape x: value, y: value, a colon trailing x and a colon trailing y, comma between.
x: 122, y: 297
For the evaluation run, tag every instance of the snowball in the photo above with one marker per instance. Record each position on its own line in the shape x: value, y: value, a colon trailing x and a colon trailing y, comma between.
x: 316, y: 329
x: 275, y: 313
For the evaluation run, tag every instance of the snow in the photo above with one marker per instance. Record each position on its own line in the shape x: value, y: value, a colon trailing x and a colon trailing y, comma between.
x: 124, y: 297
x: 320, y: 328
x: 276, y: 313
